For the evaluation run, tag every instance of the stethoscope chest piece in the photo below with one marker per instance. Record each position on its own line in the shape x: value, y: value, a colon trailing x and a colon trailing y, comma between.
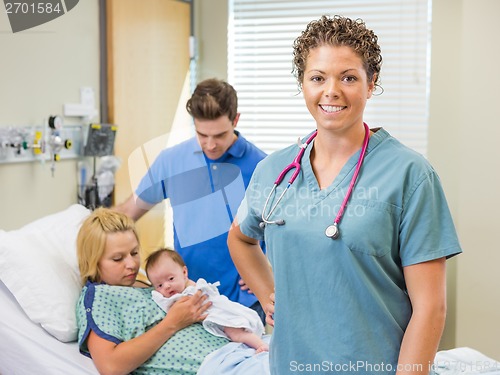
x: 332, y: 231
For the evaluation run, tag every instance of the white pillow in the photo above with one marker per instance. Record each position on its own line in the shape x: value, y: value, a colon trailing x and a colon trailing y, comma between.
x: 38, y: 264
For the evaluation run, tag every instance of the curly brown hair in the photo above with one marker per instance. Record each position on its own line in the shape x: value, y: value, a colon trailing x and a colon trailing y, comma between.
x: 338, y: 31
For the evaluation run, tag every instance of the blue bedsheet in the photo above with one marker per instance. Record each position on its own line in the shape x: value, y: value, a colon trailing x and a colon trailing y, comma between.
x: 236, y: 359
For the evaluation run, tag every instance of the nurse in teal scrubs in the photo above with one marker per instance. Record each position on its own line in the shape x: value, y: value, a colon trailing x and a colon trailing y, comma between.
x: 373, y: 299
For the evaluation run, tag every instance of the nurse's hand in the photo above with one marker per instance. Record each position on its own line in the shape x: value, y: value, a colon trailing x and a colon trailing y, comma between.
x: 270, y: 311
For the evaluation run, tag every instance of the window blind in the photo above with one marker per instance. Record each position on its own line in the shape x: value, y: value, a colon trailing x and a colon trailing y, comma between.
x: 273, y: 112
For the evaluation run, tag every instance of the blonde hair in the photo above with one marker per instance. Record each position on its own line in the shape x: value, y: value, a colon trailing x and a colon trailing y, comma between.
x: 91, y: 240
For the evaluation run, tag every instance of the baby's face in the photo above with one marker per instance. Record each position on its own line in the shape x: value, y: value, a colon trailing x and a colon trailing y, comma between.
x: 168, y: 277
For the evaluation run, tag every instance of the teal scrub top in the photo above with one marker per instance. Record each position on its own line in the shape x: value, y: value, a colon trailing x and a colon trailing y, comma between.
x: 342, y: 305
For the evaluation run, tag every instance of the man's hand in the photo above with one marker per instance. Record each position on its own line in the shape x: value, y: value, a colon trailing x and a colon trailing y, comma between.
x: 243, y: 286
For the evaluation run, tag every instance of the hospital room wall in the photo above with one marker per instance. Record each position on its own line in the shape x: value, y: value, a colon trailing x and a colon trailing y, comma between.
x: 463, y: 147
x: 212, y: 38
x: 41, y: 69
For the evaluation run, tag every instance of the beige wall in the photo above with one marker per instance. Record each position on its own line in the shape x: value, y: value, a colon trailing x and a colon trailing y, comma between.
x: 478, y: 297
x: 41, y: 69
x: 444, y: 117
x: 464, y: 133
x: 211, y: 34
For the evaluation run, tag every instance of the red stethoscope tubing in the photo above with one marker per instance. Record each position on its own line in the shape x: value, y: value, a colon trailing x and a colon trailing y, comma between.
x: 354, y: 176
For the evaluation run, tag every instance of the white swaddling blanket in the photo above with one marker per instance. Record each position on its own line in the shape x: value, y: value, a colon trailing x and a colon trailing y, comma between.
x: 222, y: 313
x: 464, y: 361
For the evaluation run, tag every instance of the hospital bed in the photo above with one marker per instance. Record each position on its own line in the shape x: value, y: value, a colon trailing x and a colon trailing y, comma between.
x: 39, y: 287
x: 26, y: 348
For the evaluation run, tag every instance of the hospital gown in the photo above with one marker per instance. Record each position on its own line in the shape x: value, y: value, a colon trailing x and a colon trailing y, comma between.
x: 119, y: 314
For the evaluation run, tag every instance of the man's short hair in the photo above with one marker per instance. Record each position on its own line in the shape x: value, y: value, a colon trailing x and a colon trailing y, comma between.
x: 212, y: 99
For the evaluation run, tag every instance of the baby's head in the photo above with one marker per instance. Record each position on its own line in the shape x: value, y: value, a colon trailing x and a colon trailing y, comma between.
x: 167, y: 272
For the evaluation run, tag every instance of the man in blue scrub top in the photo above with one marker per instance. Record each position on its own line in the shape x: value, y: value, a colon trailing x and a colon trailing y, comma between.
x: 205, y: 179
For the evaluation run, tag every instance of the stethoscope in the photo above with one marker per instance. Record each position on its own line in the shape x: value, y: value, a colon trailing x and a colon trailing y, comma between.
x: 332, y: 230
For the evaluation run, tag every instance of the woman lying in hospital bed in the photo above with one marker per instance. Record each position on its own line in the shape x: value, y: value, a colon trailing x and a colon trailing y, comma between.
x: 41, y: 280
x: 39, y: 288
